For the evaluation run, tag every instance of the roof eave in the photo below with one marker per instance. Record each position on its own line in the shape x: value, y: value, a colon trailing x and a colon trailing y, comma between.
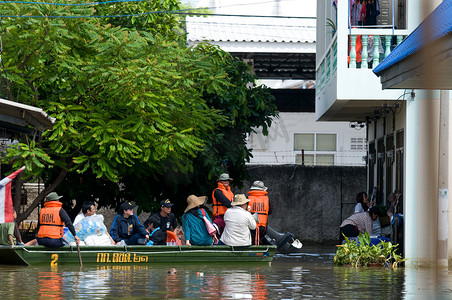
x: 429, y: 68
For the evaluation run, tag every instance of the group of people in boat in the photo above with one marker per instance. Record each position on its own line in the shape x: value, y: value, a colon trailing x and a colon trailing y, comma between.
x: 236, y: 220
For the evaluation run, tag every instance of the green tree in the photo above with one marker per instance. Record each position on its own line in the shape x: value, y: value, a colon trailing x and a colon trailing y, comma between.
x: 132, y: 106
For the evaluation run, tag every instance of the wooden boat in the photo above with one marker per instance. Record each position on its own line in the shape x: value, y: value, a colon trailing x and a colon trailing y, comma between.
x: 131, y: 255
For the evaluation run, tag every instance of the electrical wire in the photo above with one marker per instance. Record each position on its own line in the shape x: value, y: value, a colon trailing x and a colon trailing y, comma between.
x: 187, y: 11
x: 68, y: 4
x: 174, y: 12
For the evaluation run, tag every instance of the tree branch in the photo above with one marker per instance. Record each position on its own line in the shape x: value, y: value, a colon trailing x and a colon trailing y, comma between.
x: 42, y: 195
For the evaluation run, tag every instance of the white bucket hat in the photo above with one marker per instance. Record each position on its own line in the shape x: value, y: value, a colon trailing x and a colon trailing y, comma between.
x: 224, y: 176
x: 258, y: 185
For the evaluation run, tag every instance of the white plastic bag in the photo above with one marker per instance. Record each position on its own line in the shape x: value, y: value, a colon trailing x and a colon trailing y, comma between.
x: 92, y: 225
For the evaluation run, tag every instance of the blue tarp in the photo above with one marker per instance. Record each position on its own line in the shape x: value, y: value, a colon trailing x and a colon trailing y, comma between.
x: 373, y: 240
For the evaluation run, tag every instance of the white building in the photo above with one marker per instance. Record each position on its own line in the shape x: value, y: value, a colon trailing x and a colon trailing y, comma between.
x: 281, y: 51
x: 407, y: 115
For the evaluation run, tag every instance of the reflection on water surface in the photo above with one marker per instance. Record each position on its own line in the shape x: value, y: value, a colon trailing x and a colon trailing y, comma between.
x: 310, y: 274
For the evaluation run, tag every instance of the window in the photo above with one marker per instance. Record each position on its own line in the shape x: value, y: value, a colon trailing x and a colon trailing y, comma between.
x: 315, y: 148
x: 304, y: 141
x: 326, y: 142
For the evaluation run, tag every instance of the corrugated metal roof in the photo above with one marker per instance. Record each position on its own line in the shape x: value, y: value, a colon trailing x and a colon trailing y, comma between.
x: 20, y: 115
x: 250, y: 29
x: 437, y: 25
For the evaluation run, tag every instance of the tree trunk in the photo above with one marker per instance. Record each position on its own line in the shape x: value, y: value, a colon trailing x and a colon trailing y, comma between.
x: 40, y: 197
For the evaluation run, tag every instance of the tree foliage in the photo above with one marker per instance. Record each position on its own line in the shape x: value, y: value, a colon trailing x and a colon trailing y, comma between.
x: 138, y: 114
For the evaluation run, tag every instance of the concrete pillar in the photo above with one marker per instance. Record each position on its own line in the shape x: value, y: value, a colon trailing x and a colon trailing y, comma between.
x: 427, y: 181
x: 421, y: 186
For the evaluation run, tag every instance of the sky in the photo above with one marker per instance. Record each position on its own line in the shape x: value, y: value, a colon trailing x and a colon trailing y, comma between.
x: 286, y: 8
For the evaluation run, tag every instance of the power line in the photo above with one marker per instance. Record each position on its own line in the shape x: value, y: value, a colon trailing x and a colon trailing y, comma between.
x: 187, y: 11
x: 245, y: 16
x: 174, y: 12
x: 74, y: 4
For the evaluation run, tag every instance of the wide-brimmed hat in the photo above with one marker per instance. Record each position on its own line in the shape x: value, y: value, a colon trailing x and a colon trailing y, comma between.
x: 194, y: 201
x: 166, y: 203
x: 258, y: 185
x: 240, y: 199
x: 126, y: 205
x: 53, y: 197
x: 224, y: 177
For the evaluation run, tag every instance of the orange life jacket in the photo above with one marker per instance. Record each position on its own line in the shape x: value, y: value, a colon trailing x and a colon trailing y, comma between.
x: 259, y: 203
x: 218, y: 208
x: 171, y: 237
x: 50, y: 224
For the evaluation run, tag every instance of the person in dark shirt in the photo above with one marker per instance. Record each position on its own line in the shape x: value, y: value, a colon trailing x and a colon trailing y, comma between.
x: 52, y: 218
x: 222, y: 197
x: 167, y: 219
x: 126, y: 227
x: 156, y: 236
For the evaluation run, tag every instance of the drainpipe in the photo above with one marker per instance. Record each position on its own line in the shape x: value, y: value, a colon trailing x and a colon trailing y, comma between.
x: 443, y: 181
x: 410, y: 199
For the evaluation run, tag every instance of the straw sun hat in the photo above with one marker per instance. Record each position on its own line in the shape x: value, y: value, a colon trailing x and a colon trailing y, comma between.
x: 240, y: 199
x: 194, y: 201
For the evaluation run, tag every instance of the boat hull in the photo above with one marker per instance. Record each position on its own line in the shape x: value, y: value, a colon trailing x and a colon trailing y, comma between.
x: 134, y: 255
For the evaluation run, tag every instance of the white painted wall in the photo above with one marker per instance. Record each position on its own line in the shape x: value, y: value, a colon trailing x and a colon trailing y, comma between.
x: 277, y: 147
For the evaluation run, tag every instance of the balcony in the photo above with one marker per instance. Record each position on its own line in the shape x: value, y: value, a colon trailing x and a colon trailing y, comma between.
x: 347, y: 89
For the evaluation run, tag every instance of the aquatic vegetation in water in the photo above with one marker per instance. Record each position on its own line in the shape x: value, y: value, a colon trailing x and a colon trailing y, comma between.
x: 363, y: 253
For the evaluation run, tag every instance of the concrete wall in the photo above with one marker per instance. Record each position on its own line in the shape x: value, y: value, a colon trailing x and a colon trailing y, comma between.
x: 311, y: 202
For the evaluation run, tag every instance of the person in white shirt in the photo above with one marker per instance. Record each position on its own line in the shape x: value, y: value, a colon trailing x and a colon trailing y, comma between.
x: 362, y: 204
x: 88, y: 209
x: 239, y: 222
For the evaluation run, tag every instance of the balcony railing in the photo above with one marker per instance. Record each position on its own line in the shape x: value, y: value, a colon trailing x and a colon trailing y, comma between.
x: 375, y: 49
x: 374, y: 45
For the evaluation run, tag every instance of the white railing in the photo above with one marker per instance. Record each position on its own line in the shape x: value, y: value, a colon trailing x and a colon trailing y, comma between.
x: 380, y: 47
x: 374, y: 46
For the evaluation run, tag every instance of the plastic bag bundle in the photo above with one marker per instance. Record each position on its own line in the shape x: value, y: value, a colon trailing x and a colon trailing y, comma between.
x: 92, y: 225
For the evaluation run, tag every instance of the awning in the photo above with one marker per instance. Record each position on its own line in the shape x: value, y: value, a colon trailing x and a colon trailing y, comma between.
x: 20, y: 117
x: 424, y: 59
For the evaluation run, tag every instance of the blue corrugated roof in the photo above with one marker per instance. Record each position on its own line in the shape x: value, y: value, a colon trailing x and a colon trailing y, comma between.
x: 435, y: 26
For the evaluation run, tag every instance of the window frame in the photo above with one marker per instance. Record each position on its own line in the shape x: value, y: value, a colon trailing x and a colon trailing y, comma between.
x: 315, y: 152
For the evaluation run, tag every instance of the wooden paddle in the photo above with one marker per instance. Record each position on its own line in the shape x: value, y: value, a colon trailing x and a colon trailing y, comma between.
x: 79, y: 255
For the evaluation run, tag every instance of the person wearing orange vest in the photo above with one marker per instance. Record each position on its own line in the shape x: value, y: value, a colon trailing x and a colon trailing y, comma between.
x: 222, y: 198
x: 259, y: 204
x: 52, y: 219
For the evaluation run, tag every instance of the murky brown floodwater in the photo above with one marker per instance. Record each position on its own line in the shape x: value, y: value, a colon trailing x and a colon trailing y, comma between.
x: 310, y: 274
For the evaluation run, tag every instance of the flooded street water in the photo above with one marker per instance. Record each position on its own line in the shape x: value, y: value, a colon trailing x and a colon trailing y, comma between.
x: 310, y: 274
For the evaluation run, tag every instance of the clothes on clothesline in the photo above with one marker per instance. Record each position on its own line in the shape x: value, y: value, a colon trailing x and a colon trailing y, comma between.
x: 364, y: 12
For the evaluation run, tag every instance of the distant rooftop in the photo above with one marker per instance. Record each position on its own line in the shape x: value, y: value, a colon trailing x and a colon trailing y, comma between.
x: 277, y: 48
x: 294, y: 35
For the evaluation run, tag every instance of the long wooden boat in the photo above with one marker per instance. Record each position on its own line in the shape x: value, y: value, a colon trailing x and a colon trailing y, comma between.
x: 124, y: 255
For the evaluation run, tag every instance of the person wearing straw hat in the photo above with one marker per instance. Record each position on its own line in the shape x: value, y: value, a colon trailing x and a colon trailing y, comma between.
x: 52, y: 219
x: 194, y: 226
x: 239, y: 222
x: 222, y: 198
x: 260, y: 204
